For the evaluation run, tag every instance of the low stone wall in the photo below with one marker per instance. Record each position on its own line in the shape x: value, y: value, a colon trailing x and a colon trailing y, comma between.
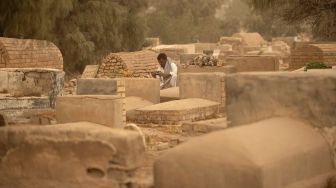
x: 252, y: 97
x: 210, y: 86
x: 69, y: 155
x: 108, y: 110
x: 176, y: 112
x: 31, y: 82
x: 250, y: 63
x: 305, y: 53
x: 146, y: 88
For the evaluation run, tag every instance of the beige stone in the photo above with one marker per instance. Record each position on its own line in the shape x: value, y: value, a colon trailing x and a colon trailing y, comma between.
x: 90, y: 71
x: 255, y: 96
x: 169, y: 94
x: 175, y: 112
x: 275, y: 153
x: 69, y: 155
x: 146, y: 88
x: 253, y: 63
x: 21, y: 82
x: 210, y: 86
x: 106, y: 110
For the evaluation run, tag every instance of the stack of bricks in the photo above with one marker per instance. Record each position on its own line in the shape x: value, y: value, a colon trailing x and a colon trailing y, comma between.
x: 128, y: 64
x: 112, y: 66
x: 303, y: 54
x: 27, y: 53
x: 121, y: 91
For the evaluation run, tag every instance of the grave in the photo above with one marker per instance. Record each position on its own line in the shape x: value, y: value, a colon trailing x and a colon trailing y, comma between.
x: 274, y: 153
x: 26, y: 92
x: 107, y: 110
x: 305, y: 53
x: 175, y: 112
x: 253, y: 63
x: 28, y: 53
x: 146, y: 88
x: 69, y: 155
x: 256, y: 96
x: 210, y: 86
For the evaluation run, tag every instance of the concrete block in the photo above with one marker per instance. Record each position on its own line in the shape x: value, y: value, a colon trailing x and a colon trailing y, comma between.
x: 250, y: 63
x: 146, y: 88
x: 210, y: 86
x: 106, y: 110
x: 68, y: 155
x: 275, y: 153
x: 308, y: 95
x: 27, y: 82
x: 206, y: 69
x: 97, y: 87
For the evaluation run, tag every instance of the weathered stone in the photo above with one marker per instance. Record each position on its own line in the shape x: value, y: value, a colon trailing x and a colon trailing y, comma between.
x: 255, y: 96
x: 97, y: 87
x: 210, y: 86
x: 275, y: 153
x: 22, y: 82
x: 90, y: 71
x: 175, y: 112
x: 106, y: 110
x: 146, y: 88
x: 70, y: 155
x: 253, y: 63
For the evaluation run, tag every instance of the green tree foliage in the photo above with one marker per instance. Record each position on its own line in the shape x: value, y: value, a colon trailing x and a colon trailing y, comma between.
x: 318, y: 14
x: 84, y: 30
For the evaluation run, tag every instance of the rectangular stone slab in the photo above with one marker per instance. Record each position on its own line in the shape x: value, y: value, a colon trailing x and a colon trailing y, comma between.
x: 274, y: 153
x: 175, y: 112
x: 146, y: 88
x: 210, y: 86
x: 68, y: 155
x: 308, y: 95
x: 106, y: 110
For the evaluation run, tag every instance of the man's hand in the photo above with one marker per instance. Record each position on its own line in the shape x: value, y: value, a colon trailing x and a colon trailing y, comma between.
x: 164, y: 75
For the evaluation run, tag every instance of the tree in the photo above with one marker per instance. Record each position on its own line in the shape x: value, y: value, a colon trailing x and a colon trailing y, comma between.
x: 183, y: 21
x: 84, y: 30
x: 318, y: 14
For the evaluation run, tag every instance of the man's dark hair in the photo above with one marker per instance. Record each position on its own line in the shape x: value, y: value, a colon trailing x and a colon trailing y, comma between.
x: 162, y: 56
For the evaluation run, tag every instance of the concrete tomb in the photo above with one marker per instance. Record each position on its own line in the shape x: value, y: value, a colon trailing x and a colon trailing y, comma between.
x: 71, y: 155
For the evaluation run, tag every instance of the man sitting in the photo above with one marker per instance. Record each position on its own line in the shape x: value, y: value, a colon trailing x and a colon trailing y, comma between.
x: 167, y: 72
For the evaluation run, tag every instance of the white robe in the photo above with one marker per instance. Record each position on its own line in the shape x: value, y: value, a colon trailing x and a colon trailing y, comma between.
x: 170, y: 68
